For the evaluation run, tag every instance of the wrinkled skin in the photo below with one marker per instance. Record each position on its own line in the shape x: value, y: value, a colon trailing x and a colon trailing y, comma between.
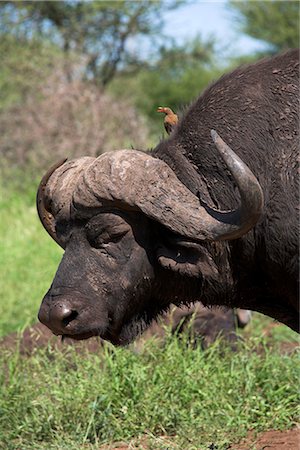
x: 104, y: 245
x: 83, y: 301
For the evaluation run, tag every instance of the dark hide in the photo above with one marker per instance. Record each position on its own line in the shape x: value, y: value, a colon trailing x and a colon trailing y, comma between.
x: 255, y: 109
x: 122, y: 268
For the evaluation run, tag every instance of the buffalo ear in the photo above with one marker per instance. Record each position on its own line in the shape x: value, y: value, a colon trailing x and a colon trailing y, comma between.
x: 187, y: 258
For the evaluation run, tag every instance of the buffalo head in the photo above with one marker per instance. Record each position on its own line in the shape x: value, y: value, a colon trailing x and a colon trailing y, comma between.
x: 129, y: 228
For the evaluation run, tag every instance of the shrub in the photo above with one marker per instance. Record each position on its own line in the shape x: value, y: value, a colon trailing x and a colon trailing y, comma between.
x: 67, y: 119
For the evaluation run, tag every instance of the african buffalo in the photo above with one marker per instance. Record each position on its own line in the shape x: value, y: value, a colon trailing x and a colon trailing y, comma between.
x: 191, y: 220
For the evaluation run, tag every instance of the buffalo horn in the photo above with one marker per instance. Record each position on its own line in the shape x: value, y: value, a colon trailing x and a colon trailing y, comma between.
x: 235, y: 224
x: 45, y: 215
x: 132, y: 179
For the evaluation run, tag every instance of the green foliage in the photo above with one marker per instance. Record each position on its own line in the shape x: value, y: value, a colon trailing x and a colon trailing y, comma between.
x: 179, y: 76
x: 174, y: 78
x: 275, y: 22
x: 98, y: 32
x: 24, y: 67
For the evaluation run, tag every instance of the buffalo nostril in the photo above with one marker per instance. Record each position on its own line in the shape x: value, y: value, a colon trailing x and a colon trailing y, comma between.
x: 69, y: 316
x: 59, y: 317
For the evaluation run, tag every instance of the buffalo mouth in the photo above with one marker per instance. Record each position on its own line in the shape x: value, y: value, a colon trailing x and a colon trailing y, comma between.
x: 106, y: 336
x: 80, y: 336
x: 67, y: 319
x: 123, y: 337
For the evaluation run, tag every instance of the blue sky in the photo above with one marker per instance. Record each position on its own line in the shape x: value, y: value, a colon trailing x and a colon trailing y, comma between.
x: 206, y: 18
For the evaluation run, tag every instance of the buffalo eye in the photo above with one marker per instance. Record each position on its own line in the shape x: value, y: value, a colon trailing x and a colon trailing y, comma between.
x: 99, y: 237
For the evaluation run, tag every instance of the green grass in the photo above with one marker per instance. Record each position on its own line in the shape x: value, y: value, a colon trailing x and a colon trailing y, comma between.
x: 173, y: 396
x: 28, y: 259
x: 197, y: 397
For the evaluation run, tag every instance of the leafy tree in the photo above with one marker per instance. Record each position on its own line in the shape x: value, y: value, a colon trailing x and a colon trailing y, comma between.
x: 174, y: 78
x: 275, y: 22
x: 24, y: 67
x: 100, y: 31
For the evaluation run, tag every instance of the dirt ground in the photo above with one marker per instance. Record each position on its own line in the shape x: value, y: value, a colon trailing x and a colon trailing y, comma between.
x: 271, y: 440
x: 268, y: 440
x: 38, y: 336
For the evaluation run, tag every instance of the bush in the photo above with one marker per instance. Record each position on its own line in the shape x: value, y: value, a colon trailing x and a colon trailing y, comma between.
x: 67, y: 119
